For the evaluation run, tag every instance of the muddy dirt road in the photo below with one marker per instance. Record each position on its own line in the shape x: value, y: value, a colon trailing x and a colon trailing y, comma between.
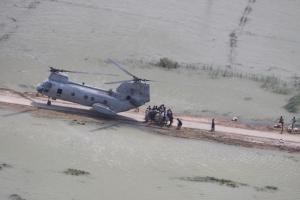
x: 195, y: 128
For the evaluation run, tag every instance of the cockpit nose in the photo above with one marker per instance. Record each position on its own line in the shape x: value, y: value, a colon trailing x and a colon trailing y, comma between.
x: 39, y: 88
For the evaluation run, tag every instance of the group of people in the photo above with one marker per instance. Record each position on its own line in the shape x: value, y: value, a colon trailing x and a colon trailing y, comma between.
x: 161, y: 115
x: 281, y: 122
x: 164, y: 117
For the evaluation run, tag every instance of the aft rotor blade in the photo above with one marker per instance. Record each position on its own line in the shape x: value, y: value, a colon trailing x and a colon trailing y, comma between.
x: 121, y: 68
x: 148, y: 80
x: 116, y: 82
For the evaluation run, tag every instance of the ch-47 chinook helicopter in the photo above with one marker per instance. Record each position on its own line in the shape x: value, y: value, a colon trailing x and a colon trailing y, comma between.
x: 128, y: 95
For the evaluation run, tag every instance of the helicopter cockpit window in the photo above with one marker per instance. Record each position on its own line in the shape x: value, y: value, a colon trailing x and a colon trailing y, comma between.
x: 47, y: 86
x: 59, y: 91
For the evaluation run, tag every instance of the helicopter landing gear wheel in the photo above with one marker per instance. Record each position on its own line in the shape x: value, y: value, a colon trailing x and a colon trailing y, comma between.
x: 49, y: 102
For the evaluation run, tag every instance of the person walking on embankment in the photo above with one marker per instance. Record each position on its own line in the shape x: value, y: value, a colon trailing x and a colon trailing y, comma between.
x: 281, y: 122
x: 212, y: 125
x: 179, y: 124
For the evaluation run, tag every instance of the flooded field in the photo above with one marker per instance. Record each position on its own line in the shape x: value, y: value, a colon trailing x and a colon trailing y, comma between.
x: 126, y: 163
x: 258, y: 41
x: 248, y: 37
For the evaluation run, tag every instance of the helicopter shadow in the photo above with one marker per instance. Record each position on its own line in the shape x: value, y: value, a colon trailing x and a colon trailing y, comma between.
x: 84, y: 112
x: 112, y: 121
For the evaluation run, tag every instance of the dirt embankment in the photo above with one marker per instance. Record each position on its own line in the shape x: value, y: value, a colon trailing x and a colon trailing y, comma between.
x: 196, y: 128
x: 227, y: 138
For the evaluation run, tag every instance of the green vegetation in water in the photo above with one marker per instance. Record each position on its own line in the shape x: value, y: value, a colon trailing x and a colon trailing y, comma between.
x: 209, y: 179
x: 228, y: 183
x: 167, y: 63
x: 76, y: 172
x: 271, y: 187
x: 247, y: 98
x: 270, y: 83
x: 266, y: 188
x: 4, y: 165
x: 293, y: 104
x: 16, y: 197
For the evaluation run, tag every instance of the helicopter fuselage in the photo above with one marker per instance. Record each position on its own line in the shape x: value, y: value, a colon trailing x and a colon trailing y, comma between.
x: 127, y: 96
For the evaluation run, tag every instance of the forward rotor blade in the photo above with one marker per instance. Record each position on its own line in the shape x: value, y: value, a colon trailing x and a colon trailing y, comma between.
x: 81, y: 72
x: 91, y: 73
x: 121, y: 68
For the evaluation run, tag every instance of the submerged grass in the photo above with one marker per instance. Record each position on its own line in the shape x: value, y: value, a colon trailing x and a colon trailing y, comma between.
x: 4, y: 165
x: 209, y: 179
x: 270, y: 83
x: 16, y: 197
x: 167, y: 63
x: 76, y: 172
x: 228, y: 183
x: 293, y: 104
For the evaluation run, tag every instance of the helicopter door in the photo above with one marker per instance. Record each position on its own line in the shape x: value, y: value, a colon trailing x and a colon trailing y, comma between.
x: 59, y: 92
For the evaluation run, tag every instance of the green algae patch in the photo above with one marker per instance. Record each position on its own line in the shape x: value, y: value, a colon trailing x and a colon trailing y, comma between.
x: 228, y: 183
x: 4, y: 165
x: 76, y: 172
x: 271, y: 188
x: 210, y: 179
x: 167, y: 63
x: 267, y: 188
x: 16, y: 197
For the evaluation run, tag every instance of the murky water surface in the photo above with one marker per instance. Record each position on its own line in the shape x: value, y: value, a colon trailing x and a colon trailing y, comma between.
x: 126, y: 163
x: 255, y: 37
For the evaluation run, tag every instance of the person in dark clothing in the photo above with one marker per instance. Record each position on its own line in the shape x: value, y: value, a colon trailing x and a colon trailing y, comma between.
x: 170, y: 116
x: 282, y: 123
x: 212, y: 125
x: 171, y: 121
x: 293, y: 123
x: 179, y: 124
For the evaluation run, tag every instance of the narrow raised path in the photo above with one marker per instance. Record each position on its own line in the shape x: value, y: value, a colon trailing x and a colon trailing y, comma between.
x: 12, y: 98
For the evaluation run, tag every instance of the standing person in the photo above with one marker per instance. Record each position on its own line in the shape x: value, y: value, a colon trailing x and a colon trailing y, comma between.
x: 293, y: 123
x: 212, y: 125
x: 179, y: 124
x: 282, y: 123
x: 170, y: 116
